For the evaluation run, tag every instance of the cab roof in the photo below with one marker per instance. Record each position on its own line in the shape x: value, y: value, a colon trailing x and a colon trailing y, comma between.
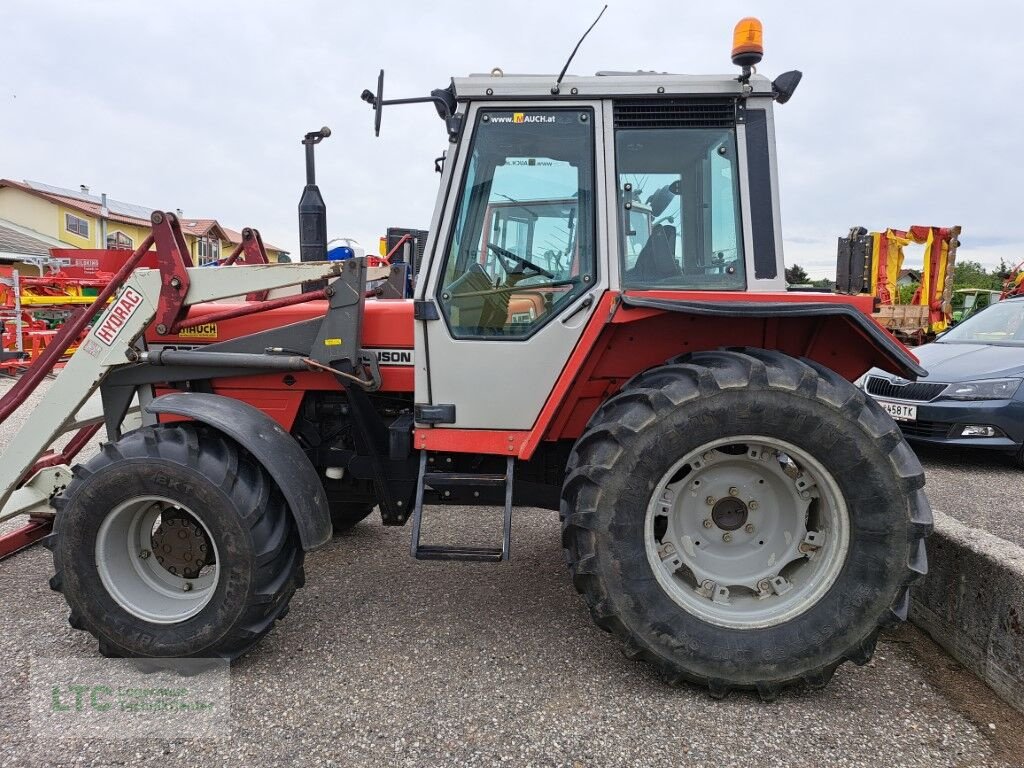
x: 605, y: 85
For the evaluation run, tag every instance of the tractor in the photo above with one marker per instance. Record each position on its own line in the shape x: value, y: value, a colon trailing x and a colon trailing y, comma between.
x: 732, y: 507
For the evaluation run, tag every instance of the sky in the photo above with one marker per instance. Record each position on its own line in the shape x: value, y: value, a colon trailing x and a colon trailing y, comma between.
x: 907, y: 113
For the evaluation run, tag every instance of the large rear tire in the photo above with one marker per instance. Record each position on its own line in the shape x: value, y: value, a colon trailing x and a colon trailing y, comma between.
x: 174, y: 542
x: 744, y: 520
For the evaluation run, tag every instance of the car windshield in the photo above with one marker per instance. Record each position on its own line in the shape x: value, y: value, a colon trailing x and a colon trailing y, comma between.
x: 1001, y: 324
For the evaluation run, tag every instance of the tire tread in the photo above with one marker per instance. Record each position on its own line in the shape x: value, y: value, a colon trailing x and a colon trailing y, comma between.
x: 278, y: 573
x: 683, y: 379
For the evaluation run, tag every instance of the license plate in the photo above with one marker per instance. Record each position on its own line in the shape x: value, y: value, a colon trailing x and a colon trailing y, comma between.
x: 899, y: 411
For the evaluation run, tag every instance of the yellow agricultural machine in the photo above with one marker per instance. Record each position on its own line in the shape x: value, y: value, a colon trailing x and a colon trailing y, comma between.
x: 872, y: 263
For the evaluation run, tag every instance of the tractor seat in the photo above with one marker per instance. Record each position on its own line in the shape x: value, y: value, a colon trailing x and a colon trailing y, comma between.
x: 657, y: 259
x: 524, y: 308
x: 474, y: 303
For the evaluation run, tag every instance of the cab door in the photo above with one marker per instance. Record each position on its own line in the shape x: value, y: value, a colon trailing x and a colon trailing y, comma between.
x: 517, y: 263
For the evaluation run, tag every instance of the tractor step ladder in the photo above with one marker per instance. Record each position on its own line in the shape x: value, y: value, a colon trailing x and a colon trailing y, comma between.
x: 463, y: 479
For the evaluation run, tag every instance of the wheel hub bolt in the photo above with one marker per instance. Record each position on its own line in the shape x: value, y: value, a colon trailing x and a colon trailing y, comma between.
x: 144, y: 554
x: 748, y: 528
x: 707, y: 455
x: 187, y: 586
x: 805, y: 495
x: 752, y: 505
x: 710, y: 501
x: 708, y: 523
x: 734, y: 491
x: 726, y: 537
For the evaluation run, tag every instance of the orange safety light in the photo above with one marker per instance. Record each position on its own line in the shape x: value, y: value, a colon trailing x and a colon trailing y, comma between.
x: 747, y: 42
x: 382, y: 247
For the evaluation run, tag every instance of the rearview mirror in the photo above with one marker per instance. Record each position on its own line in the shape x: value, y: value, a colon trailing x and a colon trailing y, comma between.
x: 785, y: 85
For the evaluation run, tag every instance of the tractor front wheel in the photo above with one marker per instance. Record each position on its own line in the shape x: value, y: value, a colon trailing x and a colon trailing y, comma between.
x: 174, y: 542
x: 744, y: 519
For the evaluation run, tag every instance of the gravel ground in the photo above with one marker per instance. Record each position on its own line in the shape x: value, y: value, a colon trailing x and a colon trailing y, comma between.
x: 387, y: 661
x: 980, y: 488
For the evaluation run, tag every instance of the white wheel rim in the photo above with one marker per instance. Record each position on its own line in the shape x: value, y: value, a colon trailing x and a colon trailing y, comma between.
x: 131, y: 571
x: 747, y: 532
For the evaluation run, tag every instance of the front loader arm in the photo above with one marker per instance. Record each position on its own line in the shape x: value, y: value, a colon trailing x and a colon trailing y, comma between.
x: 110, y: 344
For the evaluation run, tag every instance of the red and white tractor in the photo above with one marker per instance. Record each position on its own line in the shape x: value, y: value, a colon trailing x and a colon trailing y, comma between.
x: 732, y: 507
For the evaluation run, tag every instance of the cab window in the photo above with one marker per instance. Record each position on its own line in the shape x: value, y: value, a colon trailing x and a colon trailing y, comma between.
x: 679, y: 208
x: 522, y: 245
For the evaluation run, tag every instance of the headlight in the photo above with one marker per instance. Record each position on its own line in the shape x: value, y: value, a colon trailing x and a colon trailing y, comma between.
x: 986, y: 389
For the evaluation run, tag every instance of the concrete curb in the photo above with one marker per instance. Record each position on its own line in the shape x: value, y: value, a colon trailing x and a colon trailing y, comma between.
x: 972, y: 604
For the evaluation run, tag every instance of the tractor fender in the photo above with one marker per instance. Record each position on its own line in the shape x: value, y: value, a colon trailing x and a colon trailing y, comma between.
x: 271, y: 446
x: 888, y: 353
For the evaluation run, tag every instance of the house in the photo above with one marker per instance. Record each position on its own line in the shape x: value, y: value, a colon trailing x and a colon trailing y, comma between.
x: 209, y: 241
x: 79, y: 219
x: 909, y: 277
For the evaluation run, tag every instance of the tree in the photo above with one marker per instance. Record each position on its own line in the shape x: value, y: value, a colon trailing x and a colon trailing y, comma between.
x: 795, y: 275
x: 905, y: 293
x: 972, y: 274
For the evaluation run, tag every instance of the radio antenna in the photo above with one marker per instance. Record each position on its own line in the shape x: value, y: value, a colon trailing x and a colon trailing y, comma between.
x: 555, y: 89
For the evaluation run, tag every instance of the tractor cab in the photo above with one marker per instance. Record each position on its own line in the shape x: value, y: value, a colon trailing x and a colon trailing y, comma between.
x: 970, y: 301
x: 555, y: 193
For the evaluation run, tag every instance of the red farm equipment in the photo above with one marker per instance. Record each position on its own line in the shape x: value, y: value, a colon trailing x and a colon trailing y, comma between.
x: 32, y: 308
x: 732, y: 507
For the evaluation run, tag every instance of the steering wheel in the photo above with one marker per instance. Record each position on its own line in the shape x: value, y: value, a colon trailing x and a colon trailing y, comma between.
x: 524, y: 264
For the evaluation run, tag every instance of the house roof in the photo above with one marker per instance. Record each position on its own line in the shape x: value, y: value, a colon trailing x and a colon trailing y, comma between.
x: 13, y: 241
x: 234, y: 237
x: 119, y: 211
x: 122, y: 212
x: 203, y: 227
x: 117, y: 207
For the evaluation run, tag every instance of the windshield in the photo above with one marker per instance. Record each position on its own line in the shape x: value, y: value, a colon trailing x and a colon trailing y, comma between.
x: 1001, y: 324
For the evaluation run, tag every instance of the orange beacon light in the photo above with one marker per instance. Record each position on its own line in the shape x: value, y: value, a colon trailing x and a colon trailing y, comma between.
x: 747, y: 42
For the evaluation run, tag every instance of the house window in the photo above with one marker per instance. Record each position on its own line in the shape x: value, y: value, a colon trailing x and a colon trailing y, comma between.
x: 120, y: 241
x: 75, y: 225
x: 207, y: 250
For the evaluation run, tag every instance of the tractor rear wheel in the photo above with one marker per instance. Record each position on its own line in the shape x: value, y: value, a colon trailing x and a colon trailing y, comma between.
x: 744, y: 520
x: 174, y: 542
